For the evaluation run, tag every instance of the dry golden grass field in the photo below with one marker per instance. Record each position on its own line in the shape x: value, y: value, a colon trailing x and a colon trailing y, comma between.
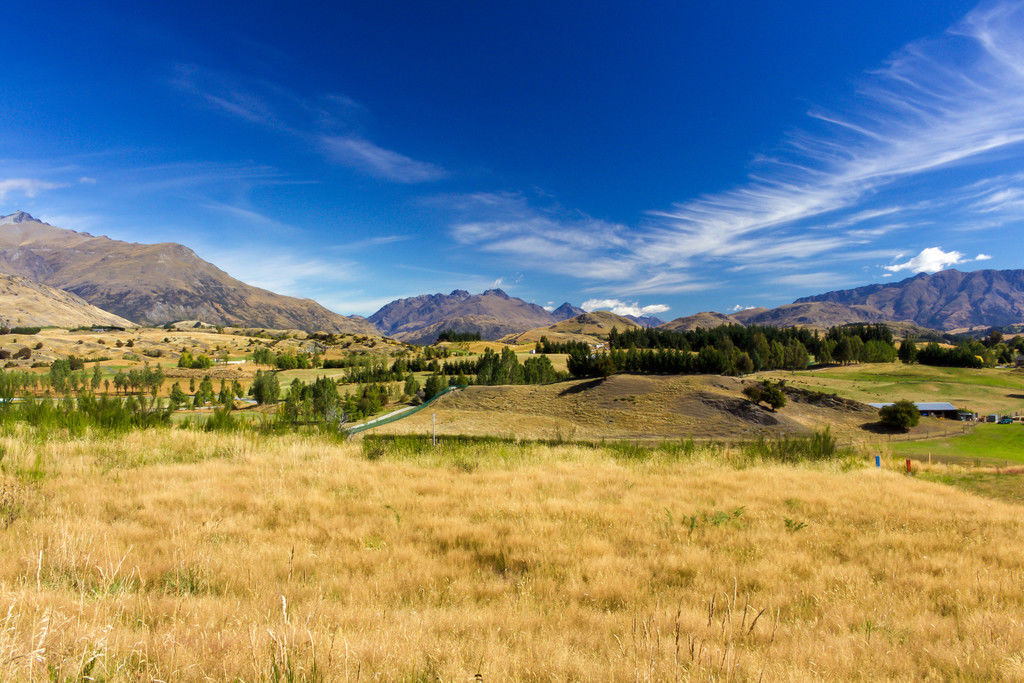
x: 179, y: 555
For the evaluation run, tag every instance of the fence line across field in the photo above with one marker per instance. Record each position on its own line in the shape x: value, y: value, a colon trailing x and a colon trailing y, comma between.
x: 398, y: 414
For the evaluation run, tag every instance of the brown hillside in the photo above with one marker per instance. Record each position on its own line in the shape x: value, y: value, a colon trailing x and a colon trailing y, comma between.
x: 25, y: 303
x: 589, y: 327
x: 154, y: 283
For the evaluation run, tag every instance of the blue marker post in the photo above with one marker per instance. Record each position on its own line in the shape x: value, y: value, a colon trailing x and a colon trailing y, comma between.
x: 878, y: 461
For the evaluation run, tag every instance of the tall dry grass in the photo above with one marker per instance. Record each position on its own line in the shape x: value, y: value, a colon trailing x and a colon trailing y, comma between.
x: 180, y: 555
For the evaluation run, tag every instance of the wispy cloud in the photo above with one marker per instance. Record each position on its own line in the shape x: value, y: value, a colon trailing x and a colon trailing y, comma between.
x: 935, y: 104
x: 28, y: 187
x: 329, y: 123
x: 377, y: 162
x: 831, y: 191
x: 570, y: 243
x: 283, y: 271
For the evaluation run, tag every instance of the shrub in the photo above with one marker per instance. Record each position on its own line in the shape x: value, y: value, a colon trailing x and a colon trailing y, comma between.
x: 766, y: 392
x: 900, y: 415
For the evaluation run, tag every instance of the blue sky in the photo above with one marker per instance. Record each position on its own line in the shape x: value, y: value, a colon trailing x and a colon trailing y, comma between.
x: 660, y: 158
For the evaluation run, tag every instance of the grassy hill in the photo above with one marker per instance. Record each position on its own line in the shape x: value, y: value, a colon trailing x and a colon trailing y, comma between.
x: 982, y: 390
x: 631, y: 407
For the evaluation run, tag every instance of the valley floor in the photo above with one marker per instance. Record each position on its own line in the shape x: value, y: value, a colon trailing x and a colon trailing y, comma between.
x: 176, y: 554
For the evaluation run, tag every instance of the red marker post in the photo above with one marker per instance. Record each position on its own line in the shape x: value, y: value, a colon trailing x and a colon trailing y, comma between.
x: 908, y: 467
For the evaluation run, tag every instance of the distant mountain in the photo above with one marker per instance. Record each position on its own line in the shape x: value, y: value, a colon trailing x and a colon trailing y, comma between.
x: 25, y: 303
x: 810, y: 314
x: 645, y: 320
x: 817, y: 314
x: 566, y: 311
x: 153, y: 283
x: 493, y: 314
x: 945, y: 300
x: 590, y: 327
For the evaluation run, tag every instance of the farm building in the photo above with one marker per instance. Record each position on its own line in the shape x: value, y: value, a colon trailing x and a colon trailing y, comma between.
x: 930, y: 408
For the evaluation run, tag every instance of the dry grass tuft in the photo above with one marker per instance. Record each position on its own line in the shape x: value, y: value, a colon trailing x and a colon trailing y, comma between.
x: 292, y: 557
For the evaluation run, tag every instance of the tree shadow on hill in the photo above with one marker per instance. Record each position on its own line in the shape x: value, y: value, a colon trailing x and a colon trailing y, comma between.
x: 882, y: 428
x: 1015, y: 396
x: 582, y: 386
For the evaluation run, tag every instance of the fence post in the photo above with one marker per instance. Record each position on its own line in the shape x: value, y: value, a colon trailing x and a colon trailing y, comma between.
x: 433, y: 417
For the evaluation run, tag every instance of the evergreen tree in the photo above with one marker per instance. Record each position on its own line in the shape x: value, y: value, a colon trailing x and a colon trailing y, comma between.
x: 908, y: 351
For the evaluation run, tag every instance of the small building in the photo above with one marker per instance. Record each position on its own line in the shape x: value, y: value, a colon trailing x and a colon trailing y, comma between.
x: 930, y: 409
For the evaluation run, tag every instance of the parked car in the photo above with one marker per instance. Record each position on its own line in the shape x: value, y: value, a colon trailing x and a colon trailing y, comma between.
x: 1006, y: 420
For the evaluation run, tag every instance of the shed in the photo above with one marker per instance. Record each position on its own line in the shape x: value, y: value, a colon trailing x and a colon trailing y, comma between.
x: 933, y: 408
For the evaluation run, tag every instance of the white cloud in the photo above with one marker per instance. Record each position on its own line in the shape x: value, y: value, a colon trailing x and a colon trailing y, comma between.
x: 740, y: 307
x: 930, y: 260
x: 363, y: 155
x: 28, y: 187
x: 623, y: 308
x: 982, y: 257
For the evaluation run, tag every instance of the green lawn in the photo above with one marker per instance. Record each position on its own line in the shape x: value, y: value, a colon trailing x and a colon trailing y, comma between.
x: 985, y: 442
x: 1008, y: 487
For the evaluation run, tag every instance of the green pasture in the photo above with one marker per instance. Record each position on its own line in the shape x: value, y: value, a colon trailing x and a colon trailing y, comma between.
x: 986, y: 443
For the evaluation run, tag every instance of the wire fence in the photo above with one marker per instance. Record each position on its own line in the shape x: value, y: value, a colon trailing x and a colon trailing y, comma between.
x: 398, y: 414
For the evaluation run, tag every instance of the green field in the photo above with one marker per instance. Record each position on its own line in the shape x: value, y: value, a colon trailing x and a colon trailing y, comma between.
x: 986, y: 442
x: 1003, y: 486
x: 986, y: 390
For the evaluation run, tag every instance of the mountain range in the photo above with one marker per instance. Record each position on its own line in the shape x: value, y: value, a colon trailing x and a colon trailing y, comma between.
x: 72, y: 278
x: 946, y: 300
x: 152, y: 283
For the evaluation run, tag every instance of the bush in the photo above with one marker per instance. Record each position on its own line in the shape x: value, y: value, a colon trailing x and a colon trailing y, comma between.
x: 766, y: 392
x: 900, y: 415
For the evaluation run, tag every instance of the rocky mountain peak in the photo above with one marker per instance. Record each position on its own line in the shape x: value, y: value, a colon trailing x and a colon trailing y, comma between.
x: 17, y: 217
